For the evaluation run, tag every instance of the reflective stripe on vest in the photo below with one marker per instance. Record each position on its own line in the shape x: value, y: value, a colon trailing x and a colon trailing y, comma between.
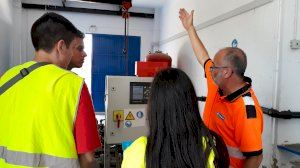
x: 235, y: 152
x: 36, y: 160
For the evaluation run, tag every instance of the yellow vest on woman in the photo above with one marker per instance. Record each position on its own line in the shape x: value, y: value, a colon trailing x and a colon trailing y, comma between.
x: 37, y: 117
x: 134, y: 155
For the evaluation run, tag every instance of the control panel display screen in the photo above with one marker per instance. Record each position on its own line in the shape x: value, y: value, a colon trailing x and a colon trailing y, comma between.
x: 139, y: 92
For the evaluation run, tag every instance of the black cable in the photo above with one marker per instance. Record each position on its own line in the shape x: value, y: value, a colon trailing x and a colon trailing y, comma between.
x: 287, y: 114
x: 280, y: 114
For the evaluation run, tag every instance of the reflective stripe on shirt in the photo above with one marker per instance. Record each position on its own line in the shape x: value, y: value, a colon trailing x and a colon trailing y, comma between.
x: 235, y: 152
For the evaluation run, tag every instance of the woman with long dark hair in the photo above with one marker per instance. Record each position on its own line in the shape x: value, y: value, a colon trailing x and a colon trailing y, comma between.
x: 178, y: 137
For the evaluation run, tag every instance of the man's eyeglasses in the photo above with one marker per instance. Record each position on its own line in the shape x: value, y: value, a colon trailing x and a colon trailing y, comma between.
x: 216, y: 67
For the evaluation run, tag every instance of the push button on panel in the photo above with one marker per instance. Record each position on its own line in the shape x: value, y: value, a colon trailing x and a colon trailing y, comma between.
x: 140, y: 114
x: 128, y: 124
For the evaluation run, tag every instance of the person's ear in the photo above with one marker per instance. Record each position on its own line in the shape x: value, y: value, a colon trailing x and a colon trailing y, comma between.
x: 227, y: 72
x: 61, y: 46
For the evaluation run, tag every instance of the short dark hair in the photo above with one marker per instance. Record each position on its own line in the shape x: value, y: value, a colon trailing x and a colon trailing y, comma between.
x: 176, y: 128
x: 50, y: 28
x: 237, y: 58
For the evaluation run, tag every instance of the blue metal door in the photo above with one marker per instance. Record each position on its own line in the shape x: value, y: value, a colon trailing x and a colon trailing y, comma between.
x: 108, y: 59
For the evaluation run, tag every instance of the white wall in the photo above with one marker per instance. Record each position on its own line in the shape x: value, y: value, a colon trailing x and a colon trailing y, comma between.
x: 6, y: 24
x: 105, y: 24
x: 290, y: 81
x: 263, y: 33
x: 289, y: 85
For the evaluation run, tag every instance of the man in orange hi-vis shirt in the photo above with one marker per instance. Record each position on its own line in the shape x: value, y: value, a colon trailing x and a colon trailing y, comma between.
x: 231, y: 109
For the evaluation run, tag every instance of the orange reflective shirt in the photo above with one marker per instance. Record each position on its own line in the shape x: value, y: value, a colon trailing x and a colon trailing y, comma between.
x: 237, y: 118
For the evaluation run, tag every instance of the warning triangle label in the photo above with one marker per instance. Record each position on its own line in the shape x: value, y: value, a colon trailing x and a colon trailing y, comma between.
x: 130, y: 116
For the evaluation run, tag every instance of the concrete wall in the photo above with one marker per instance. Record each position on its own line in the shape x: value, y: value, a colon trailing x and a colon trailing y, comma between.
x: 263, y: 29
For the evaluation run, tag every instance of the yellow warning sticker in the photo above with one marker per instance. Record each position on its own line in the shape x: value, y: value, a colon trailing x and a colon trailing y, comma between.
x: 130, y: 116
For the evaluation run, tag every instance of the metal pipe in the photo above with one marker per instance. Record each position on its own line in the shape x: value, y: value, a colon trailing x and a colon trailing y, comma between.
x: 296, y: 19
x: 276, y: 91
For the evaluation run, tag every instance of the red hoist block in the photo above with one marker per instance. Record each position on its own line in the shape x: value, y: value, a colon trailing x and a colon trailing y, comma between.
x: 149, y: 69
x: 158, y: 56
x: 154, y: 63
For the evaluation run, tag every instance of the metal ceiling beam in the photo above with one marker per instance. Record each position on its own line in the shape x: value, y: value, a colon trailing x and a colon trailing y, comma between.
x: 117, y: 2
x: 84, y: 10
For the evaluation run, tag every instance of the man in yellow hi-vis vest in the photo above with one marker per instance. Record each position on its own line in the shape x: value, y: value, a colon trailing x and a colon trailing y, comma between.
x: 47, y: 117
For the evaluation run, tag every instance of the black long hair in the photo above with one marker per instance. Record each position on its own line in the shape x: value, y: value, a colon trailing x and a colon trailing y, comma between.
x: 176, y: 128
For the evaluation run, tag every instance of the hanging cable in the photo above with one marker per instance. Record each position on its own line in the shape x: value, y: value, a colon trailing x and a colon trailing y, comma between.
x: 125, y: 49
x: 125, y: 14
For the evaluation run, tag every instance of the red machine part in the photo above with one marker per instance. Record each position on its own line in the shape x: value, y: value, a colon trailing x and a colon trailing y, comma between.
x: 154, y: 63
x: 158, y: 56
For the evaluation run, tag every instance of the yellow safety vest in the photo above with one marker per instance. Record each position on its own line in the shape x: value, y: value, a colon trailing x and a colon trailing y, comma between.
x: 37, y: 117
x: 134, y: 155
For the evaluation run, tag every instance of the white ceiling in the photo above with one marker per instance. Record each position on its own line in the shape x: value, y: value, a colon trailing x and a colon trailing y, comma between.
x: 148, y: 3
